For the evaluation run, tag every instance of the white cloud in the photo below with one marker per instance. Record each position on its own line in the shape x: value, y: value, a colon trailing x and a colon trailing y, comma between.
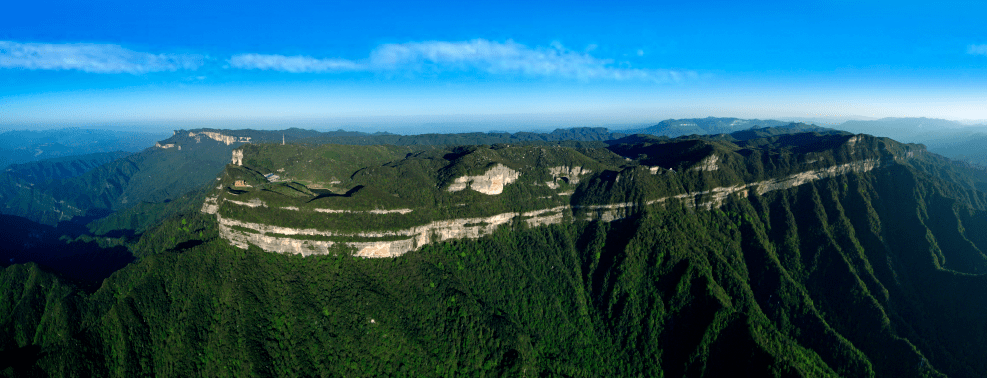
x: 90, y: 57
x: 295, y: 64
x: 977, y: 49
x: 476, y: 55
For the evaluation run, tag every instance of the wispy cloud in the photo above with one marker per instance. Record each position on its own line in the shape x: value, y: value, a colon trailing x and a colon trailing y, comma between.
x: 90, y: 57
x: 296, y: 64
x: 977, y: 49
x: 479, y: 55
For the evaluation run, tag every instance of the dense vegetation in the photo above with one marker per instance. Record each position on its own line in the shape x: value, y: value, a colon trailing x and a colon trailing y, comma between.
x: 877, y: 273
x: 361, y: 179
x: 45, y: 171
x: 154, y: 175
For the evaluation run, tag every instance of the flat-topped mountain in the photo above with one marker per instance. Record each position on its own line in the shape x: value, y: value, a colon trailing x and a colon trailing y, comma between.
x: 386, y: 201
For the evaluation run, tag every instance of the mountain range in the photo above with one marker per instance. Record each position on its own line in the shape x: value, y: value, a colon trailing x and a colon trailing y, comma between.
x: 22, y: 146
x: 703, y: 126
x: 776, y: 250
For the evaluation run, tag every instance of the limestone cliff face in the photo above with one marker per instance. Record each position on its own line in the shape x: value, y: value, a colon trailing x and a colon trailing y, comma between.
x: 237, y: 157
x: 227, y: 139
x: 378, y: 211
x: 707, y: 164
x: 277, y: 239
x: 492, y: 182
x: 190, y: 139
x: 570, y: 174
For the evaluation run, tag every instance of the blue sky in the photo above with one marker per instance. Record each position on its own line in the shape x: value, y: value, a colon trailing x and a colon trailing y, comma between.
x: 479, y: 64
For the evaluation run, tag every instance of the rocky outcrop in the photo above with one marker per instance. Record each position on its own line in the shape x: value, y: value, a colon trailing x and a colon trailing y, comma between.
x: 545, y: 217
x: 852, y: 141
x: 818, y: 174
x: 437, y: 230
x: 570, y: 174
x: 491, y: 183
x: 714, y: 198
x: 277, y: 239
x: 658, y: 170
x: 707, y: 164
x: 211, y: 204
x: 334, y: 211
x: 252, y: 203
x: 237, y: 157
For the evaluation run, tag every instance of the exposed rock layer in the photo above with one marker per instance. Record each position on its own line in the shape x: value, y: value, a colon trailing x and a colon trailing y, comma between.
x: 571, y: 174
x: 227, y: 139
x: 492, y: 182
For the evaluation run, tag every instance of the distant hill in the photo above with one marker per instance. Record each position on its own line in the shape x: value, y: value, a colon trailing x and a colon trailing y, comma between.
x: 26, y: 145
x: 950, y: 138
x: 908, y: 129
x: 174, y: 167
x: 355, y: 138
x: 702, y: 126
x: 792, y: 128
x: 42, y: 171
x: 971, y: 148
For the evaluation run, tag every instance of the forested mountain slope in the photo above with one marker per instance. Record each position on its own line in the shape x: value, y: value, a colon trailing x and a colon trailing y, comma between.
x: 43, y: 171
x: 386, y: 201
x: 793, y: 255
x: 154, y: 175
